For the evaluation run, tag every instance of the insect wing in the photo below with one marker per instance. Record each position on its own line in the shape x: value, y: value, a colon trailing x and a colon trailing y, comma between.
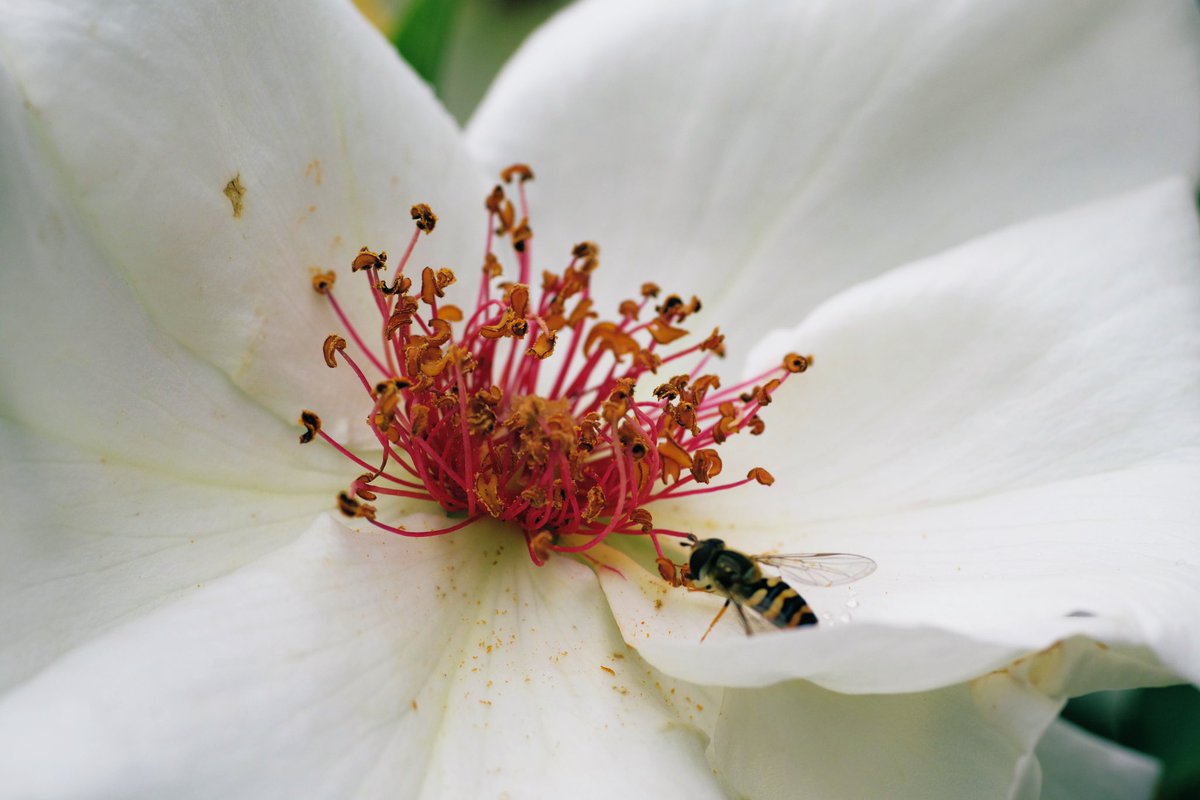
x: 819, y: 569
x: 752, y: 621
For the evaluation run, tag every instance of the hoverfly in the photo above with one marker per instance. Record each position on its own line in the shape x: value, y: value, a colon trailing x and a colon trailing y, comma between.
x: 713, y: 567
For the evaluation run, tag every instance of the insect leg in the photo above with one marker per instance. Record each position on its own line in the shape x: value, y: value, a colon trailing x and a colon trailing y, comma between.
x: 720, y: 614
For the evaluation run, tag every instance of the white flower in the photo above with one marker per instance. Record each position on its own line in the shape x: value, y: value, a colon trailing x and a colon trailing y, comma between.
x: 1009, y: 424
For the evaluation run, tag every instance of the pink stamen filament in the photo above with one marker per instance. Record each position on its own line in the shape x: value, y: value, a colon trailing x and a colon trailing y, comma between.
x: 451, y: 460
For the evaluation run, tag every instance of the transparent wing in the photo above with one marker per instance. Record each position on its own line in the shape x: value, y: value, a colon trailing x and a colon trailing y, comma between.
x: 751, y: 621
x: 758, y: 623
x: 819, y: 569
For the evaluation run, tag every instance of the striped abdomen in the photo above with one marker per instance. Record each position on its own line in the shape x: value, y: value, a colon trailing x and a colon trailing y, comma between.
x: 778, y: 603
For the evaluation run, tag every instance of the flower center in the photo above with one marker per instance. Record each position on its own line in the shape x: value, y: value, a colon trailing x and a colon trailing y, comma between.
x: 524, y: 410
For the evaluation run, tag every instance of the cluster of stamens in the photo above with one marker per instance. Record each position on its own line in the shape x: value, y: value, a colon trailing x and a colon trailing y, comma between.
x: 468, y: 416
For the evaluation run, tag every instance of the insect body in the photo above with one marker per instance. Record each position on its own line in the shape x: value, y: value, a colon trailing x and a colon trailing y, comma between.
x: 713, y: 567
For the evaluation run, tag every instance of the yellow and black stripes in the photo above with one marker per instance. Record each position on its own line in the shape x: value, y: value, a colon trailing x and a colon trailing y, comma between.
x: 778, y: 603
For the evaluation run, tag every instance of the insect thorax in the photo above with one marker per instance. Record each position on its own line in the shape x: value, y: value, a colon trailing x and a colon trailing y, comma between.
x: 730, y: 568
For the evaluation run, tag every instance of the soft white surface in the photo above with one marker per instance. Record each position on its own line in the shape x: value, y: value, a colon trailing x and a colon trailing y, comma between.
x: 1010, y: 431
x: 91, y: 542
x: 1060, y: 348
x: 145, y: 111
x: 911, y: 633
x: 343, y: 665
x: 175, y: 632
x: 962, y: 741
x: 82, y: 360
x: 765, y: 155
x: 1065, y: 347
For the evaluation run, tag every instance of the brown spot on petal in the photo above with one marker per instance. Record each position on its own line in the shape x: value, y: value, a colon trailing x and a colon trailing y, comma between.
x: 313, y: 170
x: 236, y: 193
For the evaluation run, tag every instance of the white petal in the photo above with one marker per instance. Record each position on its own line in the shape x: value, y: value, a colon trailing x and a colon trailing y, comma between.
x: 1112, y: 557
x: 666, y: 626
x: 358, y: 665
x: 778, y: 152
x: 89, y: 542
x: 924, y: 622
x: 798, y: 740
x: 146, y: 113
x: 1063, y: 347
x: 1076, y: 764
x: 83, y: 361
x: 1009, y: 431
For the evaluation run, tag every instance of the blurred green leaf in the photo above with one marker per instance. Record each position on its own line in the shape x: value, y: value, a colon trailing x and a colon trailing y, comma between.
x: 485, y: 34
x: 1164, y: 723
x: 423, y: 35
